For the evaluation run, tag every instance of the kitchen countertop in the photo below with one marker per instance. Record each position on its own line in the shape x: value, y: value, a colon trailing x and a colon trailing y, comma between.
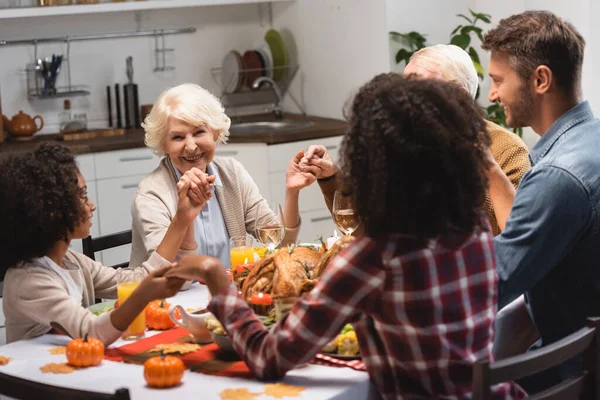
x: 133, y: 138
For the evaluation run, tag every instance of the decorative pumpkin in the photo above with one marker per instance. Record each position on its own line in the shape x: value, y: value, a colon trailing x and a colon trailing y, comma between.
x: 163, y: 371
x: 157, y: 315
x: 116, y: 305
x: 85, y: 352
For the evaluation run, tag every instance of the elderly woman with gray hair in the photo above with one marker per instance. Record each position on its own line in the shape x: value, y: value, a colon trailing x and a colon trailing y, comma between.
x: 185, y: 126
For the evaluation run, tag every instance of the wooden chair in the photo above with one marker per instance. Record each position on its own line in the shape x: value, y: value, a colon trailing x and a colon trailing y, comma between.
x: 585, y: 386
x: 23, y: 389
x: 92, y: 245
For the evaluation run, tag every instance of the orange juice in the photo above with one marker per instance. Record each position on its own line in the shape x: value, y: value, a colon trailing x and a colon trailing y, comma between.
x: 138, y: 326
x: 241, y: 255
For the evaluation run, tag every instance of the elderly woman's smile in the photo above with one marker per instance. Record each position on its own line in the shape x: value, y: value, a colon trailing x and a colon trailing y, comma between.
x: 189, y: 146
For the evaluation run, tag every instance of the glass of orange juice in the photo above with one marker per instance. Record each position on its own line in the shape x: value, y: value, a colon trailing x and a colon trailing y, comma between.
x: 241, y: 250
x: 127, y: 281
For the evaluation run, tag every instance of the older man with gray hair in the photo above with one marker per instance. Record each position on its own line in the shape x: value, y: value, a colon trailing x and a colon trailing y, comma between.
x: 447, y: 63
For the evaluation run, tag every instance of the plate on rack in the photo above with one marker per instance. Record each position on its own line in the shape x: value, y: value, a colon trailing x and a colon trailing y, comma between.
x: 280, y: 58
x: 231, y: 72
x: 254, y: 67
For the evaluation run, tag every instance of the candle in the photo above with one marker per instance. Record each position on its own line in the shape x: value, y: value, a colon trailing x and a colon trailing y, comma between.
x: 261, y: 299
x: 245, y: 267
x: 331, y: 240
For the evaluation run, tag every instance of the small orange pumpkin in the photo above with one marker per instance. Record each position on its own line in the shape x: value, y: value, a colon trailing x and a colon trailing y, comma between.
x: 116, y: 305
x: 163, y: 371
x: 157, y: 315
x: 85, y: 352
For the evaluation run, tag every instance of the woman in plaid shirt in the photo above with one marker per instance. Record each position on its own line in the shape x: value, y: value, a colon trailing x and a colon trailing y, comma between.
x: 420, y: 285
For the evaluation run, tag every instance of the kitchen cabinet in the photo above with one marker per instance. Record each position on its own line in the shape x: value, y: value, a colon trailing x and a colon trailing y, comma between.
x: 23, y: 12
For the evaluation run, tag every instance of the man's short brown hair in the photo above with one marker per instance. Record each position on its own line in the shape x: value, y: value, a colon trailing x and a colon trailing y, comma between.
x: 535, y: 38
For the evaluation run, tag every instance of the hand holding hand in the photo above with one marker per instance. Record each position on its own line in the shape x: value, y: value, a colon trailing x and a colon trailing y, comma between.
x: 318, y: 162
x: 158, y: 286
x: 295, y: 177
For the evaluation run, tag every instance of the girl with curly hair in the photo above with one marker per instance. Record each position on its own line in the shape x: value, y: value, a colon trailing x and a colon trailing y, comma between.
x: 419, y: 286
x: 43, y: 206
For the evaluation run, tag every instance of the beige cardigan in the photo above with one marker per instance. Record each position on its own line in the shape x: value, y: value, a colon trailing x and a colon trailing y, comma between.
x: 155, y: 204
x: 35, y: 296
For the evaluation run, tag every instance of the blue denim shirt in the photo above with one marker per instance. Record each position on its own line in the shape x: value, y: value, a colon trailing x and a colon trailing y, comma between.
x: 210, y: 231
x: 550, y: 248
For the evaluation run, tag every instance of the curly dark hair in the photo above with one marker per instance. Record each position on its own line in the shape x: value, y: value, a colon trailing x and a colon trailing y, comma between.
x: 413, y: 157
x: 535, y: 38
x: 40, y: 202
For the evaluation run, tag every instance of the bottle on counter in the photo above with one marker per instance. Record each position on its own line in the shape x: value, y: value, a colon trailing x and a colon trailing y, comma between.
x: 65, y: 116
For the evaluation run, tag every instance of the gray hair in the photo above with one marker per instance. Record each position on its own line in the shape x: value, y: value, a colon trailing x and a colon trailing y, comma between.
x: 190, y: 103
x: 451, y: 62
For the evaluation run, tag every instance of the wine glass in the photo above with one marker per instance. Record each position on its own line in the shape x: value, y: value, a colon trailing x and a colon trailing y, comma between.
x: 269, y: 225
x: 343, y: 213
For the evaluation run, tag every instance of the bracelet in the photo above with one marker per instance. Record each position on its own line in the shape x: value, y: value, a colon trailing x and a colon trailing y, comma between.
x: 327, y: 179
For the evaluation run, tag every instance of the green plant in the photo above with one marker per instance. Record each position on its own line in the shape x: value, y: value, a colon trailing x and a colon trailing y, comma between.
x: 413, y: 40
x: 460, y: 36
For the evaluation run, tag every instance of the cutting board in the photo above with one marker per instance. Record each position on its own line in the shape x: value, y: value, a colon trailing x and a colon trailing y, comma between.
x: 93, y: 133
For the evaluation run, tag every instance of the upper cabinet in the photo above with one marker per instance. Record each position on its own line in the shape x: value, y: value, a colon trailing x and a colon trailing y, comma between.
x: 117, y: 7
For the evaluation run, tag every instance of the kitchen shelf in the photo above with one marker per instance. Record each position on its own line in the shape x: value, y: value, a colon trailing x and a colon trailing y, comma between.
x: 75, y: 9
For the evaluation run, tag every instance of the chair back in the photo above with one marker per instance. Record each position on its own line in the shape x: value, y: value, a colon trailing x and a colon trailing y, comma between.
x: 23, y: 389
x: 92, y: 245
x: 584, y: 386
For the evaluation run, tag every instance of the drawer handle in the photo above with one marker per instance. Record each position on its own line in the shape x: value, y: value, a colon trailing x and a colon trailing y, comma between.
x: 139, y: 158
x: 129, y: 186
x: 319, y: 219
x: 331, y: 147
x: 227, y: 153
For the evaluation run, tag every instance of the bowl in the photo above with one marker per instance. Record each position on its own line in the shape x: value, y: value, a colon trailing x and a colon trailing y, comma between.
x: 223, y: 342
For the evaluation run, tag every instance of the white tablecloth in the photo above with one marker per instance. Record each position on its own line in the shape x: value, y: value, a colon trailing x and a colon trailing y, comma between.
x: 28, y: 355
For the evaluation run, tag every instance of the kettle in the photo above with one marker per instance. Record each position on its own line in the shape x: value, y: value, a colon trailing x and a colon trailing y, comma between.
x: 22, y: 126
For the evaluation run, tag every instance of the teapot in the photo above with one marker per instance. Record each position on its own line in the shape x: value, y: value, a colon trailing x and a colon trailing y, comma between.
x: 193, y: 322
x: 22, y: 126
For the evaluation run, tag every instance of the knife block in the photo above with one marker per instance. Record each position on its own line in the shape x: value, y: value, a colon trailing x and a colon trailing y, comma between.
x: 132, y: 109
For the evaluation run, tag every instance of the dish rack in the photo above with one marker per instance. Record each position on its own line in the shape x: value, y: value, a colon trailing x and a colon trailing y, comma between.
x: 265, y: 94
x: 35, y: 81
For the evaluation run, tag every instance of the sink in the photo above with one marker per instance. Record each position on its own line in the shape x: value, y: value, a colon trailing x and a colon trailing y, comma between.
x: 269, y: 126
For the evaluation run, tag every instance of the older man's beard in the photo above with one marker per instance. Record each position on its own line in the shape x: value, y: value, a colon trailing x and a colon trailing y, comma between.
x: 521, y: 111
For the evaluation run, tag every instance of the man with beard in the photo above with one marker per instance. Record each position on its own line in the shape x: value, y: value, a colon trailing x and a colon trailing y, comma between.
x: 548, y: 249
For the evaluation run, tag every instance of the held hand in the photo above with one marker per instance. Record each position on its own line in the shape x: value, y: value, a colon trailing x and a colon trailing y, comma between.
x: 187, y: 208
x: 295, y: 177
x: 158, y: 286
x: 318, y: 162
x: 192, y: 266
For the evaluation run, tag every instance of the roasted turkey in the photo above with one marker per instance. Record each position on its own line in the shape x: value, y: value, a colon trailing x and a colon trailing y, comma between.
x: 291, y: 271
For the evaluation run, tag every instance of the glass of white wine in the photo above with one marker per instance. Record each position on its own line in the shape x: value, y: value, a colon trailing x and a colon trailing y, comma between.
x: 343, y: 213
x: 270, y: 225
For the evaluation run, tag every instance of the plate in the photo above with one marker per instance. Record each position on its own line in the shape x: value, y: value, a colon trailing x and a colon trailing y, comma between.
x: 101, y: 306
x: 341, y: 356
x: 280, y: 58
x: 231, y: 76
x: 254, y: 67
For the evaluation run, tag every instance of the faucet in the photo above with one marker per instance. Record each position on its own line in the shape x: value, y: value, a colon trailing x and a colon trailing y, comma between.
x: 277, y: 110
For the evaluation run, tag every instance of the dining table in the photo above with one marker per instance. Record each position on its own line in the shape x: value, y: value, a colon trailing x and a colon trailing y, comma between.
x: 319, y: 381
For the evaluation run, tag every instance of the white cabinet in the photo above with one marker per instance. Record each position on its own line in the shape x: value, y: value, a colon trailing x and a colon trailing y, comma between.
x: 253, y: 157
x: 316, y: 219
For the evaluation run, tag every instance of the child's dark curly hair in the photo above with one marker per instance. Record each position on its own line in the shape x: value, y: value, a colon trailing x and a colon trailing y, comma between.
x: 40, y: 202
x: 414, y: 157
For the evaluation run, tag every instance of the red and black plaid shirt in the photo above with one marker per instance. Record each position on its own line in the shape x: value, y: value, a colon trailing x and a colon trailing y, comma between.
x: 423, y: 316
